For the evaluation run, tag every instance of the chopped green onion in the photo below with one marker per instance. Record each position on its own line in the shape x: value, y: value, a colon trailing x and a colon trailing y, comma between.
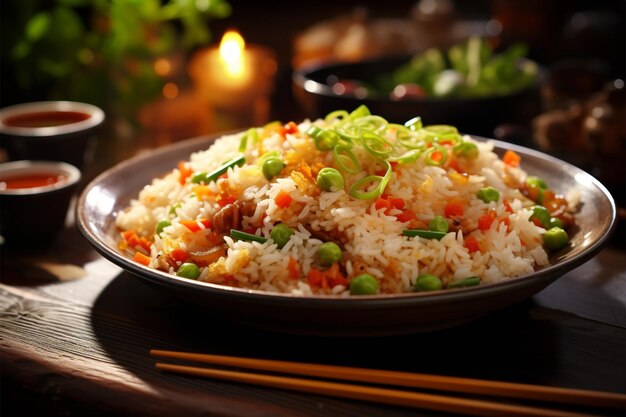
x: 465, y: 282
x: 313, y: 131
x: 238, y: 234
x: 414, y: 124
x: 467, y: 150
x: 381, y: 183
x: 442, y: 129
x: 372, y: 123
x: 439, y: 224
x: 250, y: 133
x: 204, y: 177
x: 359, y: 112
x: 426, y: 234
x: 376, y: 144
x: 409, y: 156
x: 339, y: 115
x: 346, y: 160
x: 429, y: 155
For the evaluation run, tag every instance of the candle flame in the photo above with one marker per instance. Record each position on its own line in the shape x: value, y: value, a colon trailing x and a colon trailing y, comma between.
x: 231, y: 51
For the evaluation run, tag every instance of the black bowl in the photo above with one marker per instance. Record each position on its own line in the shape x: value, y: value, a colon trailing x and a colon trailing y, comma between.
x: 479, y: 116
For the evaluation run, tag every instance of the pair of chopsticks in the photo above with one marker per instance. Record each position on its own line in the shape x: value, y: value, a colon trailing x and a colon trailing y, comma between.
x: 422, y: 400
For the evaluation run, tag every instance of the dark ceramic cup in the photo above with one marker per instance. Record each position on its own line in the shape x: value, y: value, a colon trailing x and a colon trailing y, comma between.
x: 50, y: 130
x: 34, y: 200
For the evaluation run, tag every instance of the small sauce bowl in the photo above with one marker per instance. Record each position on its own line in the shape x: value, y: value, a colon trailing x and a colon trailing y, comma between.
x: 34, y: 200
x: 50, y: 130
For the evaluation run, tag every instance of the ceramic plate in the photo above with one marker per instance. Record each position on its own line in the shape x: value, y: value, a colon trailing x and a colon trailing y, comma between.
x: 331, y: 316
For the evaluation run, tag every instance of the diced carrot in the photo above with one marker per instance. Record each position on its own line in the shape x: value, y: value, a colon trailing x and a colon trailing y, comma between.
x: 396, y: 202
x: 511, y: 158
x: 283, y: 199
x: 185, y: 172
x: 194, y: 226
x: 455, y: 207
x: 134, y: 240
x: 485, y: 221
x: 294, y: 268
x: 383, y: 203
x: 316, y: 278
x: 291, y: 128
x: 471, y: 243
x: 405, y: 216
x: 179, y: 255
x: 141, y: 258
x: 334, y: 276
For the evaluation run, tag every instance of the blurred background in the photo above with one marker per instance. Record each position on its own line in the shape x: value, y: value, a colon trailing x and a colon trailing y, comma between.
x: 149, y: 64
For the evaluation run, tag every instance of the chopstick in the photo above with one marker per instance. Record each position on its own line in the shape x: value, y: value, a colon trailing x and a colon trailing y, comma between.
x: 392, y: 396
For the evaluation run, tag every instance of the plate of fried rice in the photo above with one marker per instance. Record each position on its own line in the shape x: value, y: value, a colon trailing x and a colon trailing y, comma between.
x: 347, y: 225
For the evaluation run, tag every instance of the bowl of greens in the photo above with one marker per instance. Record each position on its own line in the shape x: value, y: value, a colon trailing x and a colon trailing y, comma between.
x: 470, y: 85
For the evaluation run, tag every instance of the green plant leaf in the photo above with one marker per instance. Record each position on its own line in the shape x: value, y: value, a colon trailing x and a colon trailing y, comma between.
x: 37, y: 26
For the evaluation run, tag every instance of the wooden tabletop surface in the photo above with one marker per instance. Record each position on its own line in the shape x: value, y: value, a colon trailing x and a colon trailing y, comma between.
x: 76, y: 331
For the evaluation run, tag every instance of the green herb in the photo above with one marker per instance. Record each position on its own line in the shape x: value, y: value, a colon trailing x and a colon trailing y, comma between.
x: 238, y: 234
x: 207, y: 177
x: 426, y: 234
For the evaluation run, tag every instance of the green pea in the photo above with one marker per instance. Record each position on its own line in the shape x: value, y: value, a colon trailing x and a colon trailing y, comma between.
x: 280, y: 234
x: 555, y: 238
x: 439, y: 224
x: 542, y: 215
x: 188, y: 270
x: 162, y: 225
x: 363, y: 284
x: 329, y: 253
x: 272, y: 167
x: 536, y: 182
x: 326, y: 140
x: 556, y: 222
x: 328, y: 178
x: 488, y: 194
x: 467, y: 150
x: 427, y: 282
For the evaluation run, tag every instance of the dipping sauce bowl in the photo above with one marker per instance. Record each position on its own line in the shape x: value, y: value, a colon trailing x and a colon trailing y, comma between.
x: 50, y: 130
x: 34, y: 200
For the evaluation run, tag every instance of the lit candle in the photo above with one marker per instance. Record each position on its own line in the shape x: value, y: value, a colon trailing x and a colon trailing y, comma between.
x: 236, y: 79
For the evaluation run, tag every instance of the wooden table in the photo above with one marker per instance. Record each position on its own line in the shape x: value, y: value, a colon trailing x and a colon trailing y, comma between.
x: 76, y: 330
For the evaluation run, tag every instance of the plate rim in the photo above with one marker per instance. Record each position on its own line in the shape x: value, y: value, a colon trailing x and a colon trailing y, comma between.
x: 544, y: 275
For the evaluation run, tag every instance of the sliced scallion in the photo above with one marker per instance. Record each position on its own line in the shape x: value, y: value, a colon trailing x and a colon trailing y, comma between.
x: 346, y: 160
x: 248, y: 237
x: 435, y: 155
x: 381, y: 183
x: 207, y: 177
x: 426, y: 234
x: 465, y: 282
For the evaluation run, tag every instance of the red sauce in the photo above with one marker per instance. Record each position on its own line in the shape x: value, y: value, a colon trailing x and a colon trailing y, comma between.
x: 46, y: 119
x: 31, y: 181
